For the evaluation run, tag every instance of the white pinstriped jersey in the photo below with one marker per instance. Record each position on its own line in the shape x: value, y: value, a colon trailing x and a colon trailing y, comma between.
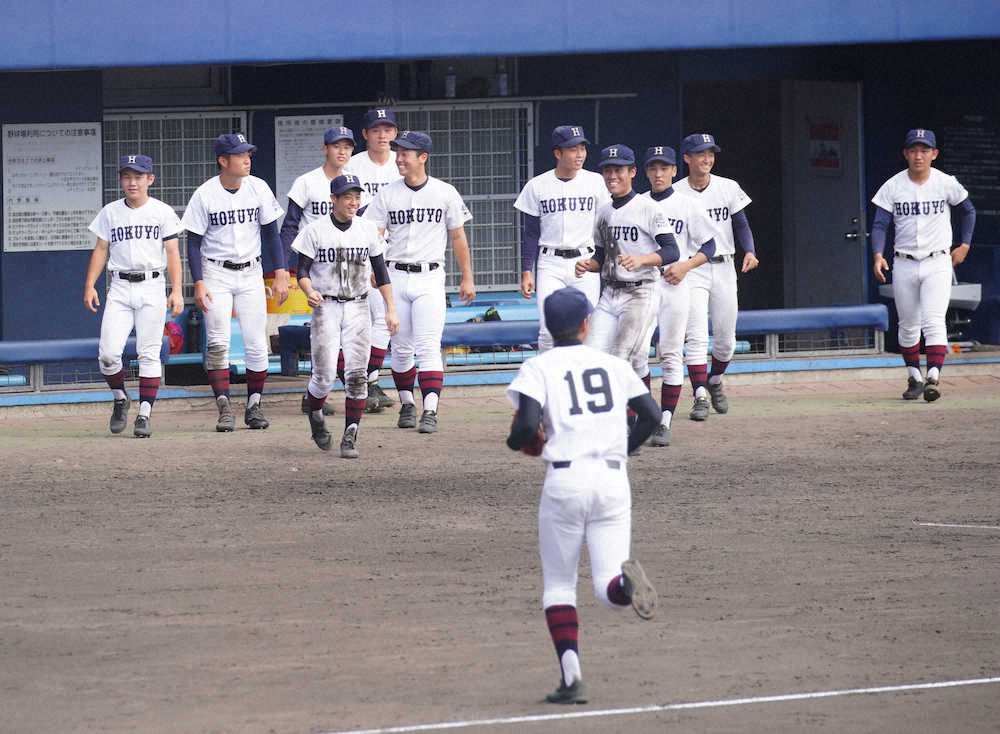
x: 230, y: 223
x: 583, y: 393
x: 566, y: 209
x: 921, y: 213
x: 634, y: 227
x: 720, y: 200
x: 311, y: 191
x: 687, y: 222
x: 417, y: 222
x: 341, y: 258
x: 135, y: 236
x: 372, y: 176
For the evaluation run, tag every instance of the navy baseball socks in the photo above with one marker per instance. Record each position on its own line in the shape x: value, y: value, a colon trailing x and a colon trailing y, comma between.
x: 719, y: 401
x: 697, y: 373
x: 148, y: 387
x: 669, y: 396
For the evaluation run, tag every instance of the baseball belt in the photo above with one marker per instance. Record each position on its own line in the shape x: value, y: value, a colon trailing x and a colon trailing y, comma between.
x: 415, y: 267
x: 908, y: 256
x: 717, y: 259
x: 567, y: 253
x: 612, y: 464
x: 230, y: 265
x: 343, y: 299
x: 625, y: 283
x: 137, y: 277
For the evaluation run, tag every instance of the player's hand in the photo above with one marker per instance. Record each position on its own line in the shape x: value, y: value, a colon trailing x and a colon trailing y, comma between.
x: 629, y: 262
x: 958, y: 254
x: 281, y: 286
x: 202, y: 298
x: 674, y: 273
x: 750, y: 262
x: 175, y: 302
x: 314, y: 298
x: 467, y: 290
x: 585, y: 266
x: 392, y: 322
x: 527, y: 283
x: 881, y: 268
x: 91, y: 299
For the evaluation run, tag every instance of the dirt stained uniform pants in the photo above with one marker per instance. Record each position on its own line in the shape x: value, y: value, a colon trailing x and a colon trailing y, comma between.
x: 241, y: 291
x: 621, y: 323
x: 554, y: 272
x: 340, y: 325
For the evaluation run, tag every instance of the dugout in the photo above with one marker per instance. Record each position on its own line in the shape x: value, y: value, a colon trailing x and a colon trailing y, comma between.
x: 809, y: 102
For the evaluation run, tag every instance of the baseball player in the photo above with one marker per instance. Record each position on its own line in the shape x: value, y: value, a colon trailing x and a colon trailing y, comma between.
x: 693, y: 232
x: 136, y: 237
x: 338, y: 254
x: 375, y: 167
x: 228, y: 219
x: 309, y: 199
x: 713, y: 286
x: 633, y: 241
x: 419, y: 215
x: 571, y: 404
x: 918, y: 202
x: 559, y: 208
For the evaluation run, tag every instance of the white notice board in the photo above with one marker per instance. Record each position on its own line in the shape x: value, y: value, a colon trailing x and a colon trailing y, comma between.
x: 51, y: 185
x: 298, y: 147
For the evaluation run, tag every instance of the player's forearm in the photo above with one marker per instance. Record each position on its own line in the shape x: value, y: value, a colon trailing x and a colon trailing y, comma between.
x: 463, y: 256
x: 669, y: 251
x: 880, y: 226
x: 174, y: 271
x: 525, y: 425
x: 271, y: 244
x: 647, y: 419
x: 742, y: 233
x: 194, y: 256
x: 98, y: 259
x: 707, y: 251
x: 967, y: 223
x: 529, y: 247
x: 379, y: 270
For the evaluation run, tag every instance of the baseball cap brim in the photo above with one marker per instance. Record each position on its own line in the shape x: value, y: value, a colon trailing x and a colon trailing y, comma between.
x: 573, y: 141
x: 408, y: 144
x: 615, y: 162
x: 659, y: 158
x: 704, y: 146
x: 242, y: 148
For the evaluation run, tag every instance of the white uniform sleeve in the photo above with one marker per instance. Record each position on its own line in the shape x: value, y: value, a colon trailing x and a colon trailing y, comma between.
x: 527, y: 200
x: 170, y: 225
x: 378, y: 246
x: 298, y: 192
x: 738, y: 199
x: 457, y: 212
x: 657, y: 221
x: 195, y: 217
x: 100, y: 225
x: 270, y: 209
x: 375, y: 212
x: 956, y: 192
x: 699, y: 226
x: 529, y: 381
x: 883, y: 197
x: 304, y: 244
x: 602, y: 194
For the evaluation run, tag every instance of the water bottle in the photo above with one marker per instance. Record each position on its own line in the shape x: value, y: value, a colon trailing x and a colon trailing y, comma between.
x: 192, y: 330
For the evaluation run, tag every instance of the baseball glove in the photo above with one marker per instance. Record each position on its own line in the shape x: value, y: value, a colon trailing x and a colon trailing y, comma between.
x: 605, y: 238
x: 536, y: 444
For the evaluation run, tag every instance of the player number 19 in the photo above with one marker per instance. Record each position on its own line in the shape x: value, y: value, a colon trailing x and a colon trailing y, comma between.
x: 595, y: 382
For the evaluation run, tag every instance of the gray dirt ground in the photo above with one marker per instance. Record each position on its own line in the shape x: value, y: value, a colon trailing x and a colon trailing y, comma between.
x: 200, y: 582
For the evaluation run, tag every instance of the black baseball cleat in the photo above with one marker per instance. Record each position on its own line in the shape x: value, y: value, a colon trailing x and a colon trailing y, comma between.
x: 119, y: 415
x: 931, y: 390
x: 661, y: 436
x: 348, y: 449
x: 700, y: 410
x: 914, y: 389
x: 384, y: 401
x: 141, y: 428
x: 226, y: 422
x: 719, y: 400
x: 372, y: 404
x: 319, y: 433
x: 639, y: 589
x: 407, y: 416
x: 327, y: 407
x: 428, y: 422
x: 254, y: 418
x: 573, y: 693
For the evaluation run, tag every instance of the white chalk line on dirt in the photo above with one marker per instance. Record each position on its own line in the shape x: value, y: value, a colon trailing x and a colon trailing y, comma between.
x: 780, y: 698
x: 957, y: 525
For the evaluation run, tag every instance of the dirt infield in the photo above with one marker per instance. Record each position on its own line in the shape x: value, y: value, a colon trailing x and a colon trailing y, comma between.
x: 201, y: 582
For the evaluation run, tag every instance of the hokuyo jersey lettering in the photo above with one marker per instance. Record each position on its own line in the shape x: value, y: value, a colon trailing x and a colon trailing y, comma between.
x: 341, y: 258
x: 135, y: 236
x: 634, y: 228
x: 686, y: 220
x: 311, y: 191
x: 921, y: 213
x: 230, y: 223
x: 720, y: 200
x: 371, y: 175
x: 417, y: 221
x: 566, y: 209
x: 584, y: 393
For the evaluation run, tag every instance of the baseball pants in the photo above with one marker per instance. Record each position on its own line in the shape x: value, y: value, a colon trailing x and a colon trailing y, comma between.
x: 553, y: 273
x: 713, y: 290
x: 142, y: 305
x: 922, y: 290
x: 675, y: 301
x: 340, y: 326
x: 420, y: 306
x: 379, y: 331
x: 589, y: 501
x: 241, y: 291
x: 621, y: 323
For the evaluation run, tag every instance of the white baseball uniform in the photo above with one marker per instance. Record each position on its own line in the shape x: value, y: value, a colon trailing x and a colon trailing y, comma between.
x: 417, y: 223
x: 921, y: 269
x: 373, y: 177
x: 230, y: 224
x: 311, y: 191
x: 713, y: 285
x: 566, y: 209
x: 341, y: 271
x: 622, y: 321
x: 135, y: 240
x: 583, y: 393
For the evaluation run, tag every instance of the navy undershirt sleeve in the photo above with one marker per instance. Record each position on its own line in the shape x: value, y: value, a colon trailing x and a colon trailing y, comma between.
x: 708, y: 249
x: 194, y: 256
x: 289, y: 229
x: 529, y: 248
x: 380, y: 270
x: 741, y: 231
x: 968, y: 221
x: 880, y: 226
x: 599, y: 255
x: 526, y: 422
x: 305, y: 262
x: 647, y: 419
x: 669, y: 252
x: 271, y: 244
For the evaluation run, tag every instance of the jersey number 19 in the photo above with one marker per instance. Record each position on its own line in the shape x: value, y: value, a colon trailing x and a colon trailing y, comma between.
x: 595, y: 382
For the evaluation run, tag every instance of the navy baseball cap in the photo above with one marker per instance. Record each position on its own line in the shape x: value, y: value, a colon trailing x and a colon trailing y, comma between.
x: 920, y: 136
x: 334, y: 134
x: 699, y: 142
x: 617, y: 155
x: 566, y: 136
x: 345, y: 182
x: 378, y: 116
x: 565, y: 309
x: 233, y: 143
x: 413, y: 140
x: 661, y: 153
x: 137, y: 162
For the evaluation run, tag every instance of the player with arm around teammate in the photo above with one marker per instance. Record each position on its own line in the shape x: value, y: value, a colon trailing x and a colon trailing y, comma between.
x: 577, y: 396
x: 136, y: 238
x: 559, y: 208
x: 918, y: 202
x: 713, y: 287
x: 694, y: 240
x: 338, y: 255
x: 420, y: 214
x: 228, y: 219
x: 375, y: 167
